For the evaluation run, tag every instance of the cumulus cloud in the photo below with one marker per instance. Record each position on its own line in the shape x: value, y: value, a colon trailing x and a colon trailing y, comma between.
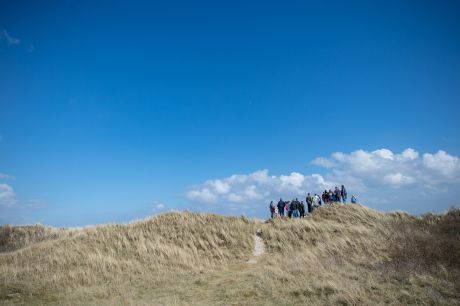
x: 381, y: 177
x: 409, y: 154
x: 7, y: 195
x: 384, y: 168
x: 397, y: 179
x: 323, y: 162
x: 258, y: 185
x: 443, y: 163
x: 202, y: 195
x: 220, y: 186
x: 8, y: 39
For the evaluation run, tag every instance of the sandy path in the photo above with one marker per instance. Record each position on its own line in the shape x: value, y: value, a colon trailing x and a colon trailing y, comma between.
x: 259, y: 249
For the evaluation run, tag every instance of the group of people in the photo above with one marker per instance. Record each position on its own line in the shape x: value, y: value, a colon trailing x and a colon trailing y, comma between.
x: 296, y: 208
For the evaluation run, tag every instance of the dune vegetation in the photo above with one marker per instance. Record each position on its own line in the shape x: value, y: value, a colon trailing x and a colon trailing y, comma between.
x: 346, y: 254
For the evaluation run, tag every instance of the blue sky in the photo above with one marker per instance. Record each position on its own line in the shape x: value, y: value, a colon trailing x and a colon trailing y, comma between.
x: 115, y: 111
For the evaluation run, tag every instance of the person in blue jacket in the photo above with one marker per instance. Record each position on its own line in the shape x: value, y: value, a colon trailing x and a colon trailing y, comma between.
x: 281, y: 207
x: 353, y: 199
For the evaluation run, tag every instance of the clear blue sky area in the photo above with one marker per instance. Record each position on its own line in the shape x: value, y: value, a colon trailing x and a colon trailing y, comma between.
x: 110, y: 108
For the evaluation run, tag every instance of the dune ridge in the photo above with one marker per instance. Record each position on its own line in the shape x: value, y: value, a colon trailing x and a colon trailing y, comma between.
x: 346, y: 254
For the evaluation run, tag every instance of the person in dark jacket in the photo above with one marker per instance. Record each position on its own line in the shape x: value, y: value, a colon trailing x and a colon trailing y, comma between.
x: 337, y: 194
x: 324, y: 197
x: 343, y: 193
x: 272, y: 209
x: 281, y: 207
x: 309, y: 200
x: 302, y: 209
x: 295, y: 208
x: 290, y: 209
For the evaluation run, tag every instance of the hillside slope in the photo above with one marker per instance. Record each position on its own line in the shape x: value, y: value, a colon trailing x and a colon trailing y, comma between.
x: 347, y: 254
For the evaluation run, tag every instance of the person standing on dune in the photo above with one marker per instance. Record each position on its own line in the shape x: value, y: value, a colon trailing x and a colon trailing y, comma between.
x: 353, y: 199
x: 343, y: 193
x: 324, y: 198
x: 316, y: 201
x: 289, y: 208
x: 281, y: 207
x: 295, y: 208
x: 309, y: 200
x: 302, y: 209
x: 330, y: 195
x: 272, y: 209
x: 337, y: 194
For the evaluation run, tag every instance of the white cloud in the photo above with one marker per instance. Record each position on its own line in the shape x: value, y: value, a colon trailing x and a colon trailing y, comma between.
x: 202, y: 195
x: 251, y: 192
x: 9, y: 40
x: 359, y: 161
x: 219, y: 186
x: 443, y: 163
x: 384, y: 153
x: 384, y: 168
x: 292, y: 181
x: 233, y: 197
x: 397, y: 179
x: 7, y: 195
x: 257, y: 186
x: 323, y: 162
x: 409, y: 154
x: 406, y: 177
x: 260, y: 176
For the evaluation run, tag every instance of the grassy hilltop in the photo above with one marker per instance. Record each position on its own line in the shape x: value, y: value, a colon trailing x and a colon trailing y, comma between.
x: 347, y: 254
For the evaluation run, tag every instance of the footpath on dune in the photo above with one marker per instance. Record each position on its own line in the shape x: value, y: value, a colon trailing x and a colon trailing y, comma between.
x: 259, y: 248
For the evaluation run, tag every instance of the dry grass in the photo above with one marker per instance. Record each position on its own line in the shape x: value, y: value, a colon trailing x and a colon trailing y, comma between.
x: 426, y: 246
x: 353, y: 255
x: 113, y: 255
x: 16, y: 237
x: 340, y: 255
